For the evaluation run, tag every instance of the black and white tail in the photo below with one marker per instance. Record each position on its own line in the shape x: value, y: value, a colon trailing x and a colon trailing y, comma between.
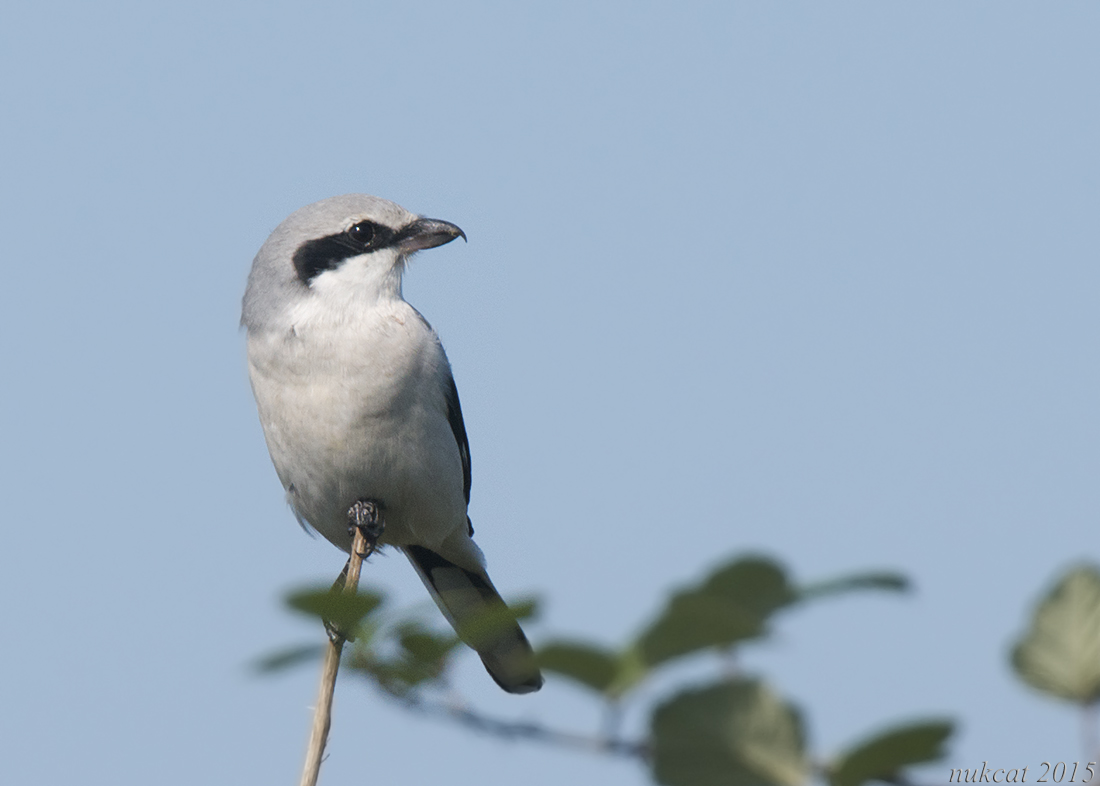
x: 481, y: 618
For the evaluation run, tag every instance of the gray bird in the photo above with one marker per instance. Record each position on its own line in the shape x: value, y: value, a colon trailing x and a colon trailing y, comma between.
x: 357, y: 401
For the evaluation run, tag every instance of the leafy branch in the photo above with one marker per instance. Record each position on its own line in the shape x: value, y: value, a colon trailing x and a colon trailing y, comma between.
x: 735, y: 731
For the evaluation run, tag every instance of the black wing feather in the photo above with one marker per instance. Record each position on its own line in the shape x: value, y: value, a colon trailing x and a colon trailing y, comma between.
x: 458, y: 428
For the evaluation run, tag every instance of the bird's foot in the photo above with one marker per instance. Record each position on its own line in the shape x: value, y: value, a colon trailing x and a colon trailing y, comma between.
x: 366, y: 517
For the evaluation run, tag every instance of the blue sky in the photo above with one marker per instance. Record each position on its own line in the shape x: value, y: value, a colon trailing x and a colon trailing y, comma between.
x: 816, y: 280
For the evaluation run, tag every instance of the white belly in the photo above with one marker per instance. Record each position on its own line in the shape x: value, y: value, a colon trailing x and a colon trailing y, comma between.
x: 358, y: 411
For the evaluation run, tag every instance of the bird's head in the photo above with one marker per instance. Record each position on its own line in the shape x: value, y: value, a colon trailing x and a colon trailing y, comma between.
x: 352, y: 247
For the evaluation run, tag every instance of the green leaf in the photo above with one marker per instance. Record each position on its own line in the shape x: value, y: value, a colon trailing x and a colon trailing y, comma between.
x: 422, y: 644
x: 735, y: 602
x: 1060, y: 653
x: 735, y: 733
x: 732, y: 604
x: 588, y: 664
x: 420, y: 656
x: 344, y: 611
x: 881, y: 757
x: 631, y: 669
x: 292, y: 656
x: 524, y: 608
x: 756, y: 584
x: 882, y: 580
x: 696, y: 620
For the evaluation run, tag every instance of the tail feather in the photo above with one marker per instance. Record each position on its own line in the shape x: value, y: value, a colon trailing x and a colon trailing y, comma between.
x: 476, y: 611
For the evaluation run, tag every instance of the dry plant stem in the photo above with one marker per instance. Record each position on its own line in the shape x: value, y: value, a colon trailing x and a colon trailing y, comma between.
x: 322, y: 713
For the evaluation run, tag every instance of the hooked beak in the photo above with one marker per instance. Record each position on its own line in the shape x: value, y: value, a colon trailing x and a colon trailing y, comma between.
x: 426, y: 233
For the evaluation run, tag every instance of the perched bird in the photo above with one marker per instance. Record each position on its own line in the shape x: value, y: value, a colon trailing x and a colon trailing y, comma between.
x: 357, y: 402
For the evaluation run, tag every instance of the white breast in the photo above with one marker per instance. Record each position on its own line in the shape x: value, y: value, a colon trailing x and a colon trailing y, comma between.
x: 354, y: 408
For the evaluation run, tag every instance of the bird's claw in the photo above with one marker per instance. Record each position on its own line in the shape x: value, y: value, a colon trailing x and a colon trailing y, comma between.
x: 365, y: 516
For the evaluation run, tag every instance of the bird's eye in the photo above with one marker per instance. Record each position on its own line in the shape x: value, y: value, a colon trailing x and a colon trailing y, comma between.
x: 362, y: 233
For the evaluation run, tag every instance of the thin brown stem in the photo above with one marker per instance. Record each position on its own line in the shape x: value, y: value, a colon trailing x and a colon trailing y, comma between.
x: 322, y: 713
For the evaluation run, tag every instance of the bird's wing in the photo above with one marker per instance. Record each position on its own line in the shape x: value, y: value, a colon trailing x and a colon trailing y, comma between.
x: 458, y: 428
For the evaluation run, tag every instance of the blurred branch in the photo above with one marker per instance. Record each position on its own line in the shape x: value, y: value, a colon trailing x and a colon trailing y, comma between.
x: 524, y: 730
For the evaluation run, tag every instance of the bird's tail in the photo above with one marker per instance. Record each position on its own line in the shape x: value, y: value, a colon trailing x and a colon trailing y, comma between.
x: 476, y: 611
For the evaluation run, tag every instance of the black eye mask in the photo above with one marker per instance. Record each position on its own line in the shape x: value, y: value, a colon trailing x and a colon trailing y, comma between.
x: 326, y: 253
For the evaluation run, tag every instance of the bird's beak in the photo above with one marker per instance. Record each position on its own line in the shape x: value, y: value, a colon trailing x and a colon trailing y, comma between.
x: 426, y: 233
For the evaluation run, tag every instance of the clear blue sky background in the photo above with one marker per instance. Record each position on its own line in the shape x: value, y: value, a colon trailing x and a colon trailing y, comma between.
x: 813, y: 279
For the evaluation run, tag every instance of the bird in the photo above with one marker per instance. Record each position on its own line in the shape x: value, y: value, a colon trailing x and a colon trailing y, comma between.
x: 358, y: 402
